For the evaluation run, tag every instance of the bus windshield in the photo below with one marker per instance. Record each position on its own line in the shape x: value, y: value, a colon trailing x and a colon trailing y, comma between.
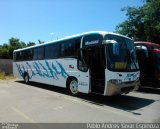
x: 121, y: 55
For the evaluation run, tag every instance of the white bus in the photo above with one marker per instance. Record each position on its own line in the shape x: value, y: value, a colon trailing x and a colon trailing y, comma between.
x: 94, y: 62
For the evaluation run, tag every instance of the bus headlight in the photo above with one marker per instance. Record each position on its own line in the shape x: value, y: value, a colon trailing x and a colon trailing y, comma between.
x: 115, y: 81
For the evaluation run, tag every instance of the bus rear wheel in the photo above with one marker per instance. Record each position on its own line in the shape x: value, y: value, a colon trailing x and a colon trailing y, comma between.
x: 26, y: 79
x: 73, y: 87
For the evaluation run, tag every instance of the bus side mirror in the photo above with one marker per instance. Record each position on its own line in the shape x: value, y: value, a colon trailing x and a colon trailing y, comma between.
x: 115, y: 46
x: 81, y: 62
x: 115, y: 49
x: 110, y: 41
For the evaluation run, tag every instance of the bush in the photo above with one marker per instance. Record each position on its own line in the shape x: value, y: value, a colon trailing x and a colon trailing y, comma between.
x: 2, y: 76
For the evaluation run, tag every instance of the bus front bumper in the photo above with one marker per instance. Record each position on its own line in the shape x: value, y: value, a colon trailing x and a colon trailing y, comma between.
x: 125, y: 87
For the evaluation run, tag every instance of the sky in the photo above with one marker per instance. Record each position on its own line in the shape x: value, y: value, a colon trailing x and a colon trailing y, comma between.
x: 46, y: 20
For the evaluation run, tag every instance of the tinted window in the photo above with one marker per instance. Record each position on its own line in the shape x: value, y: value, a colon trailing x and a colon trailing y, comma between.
x: 52, y: 51
x: 63, y: 49
x: 38, y: 53
x: 155, y: 47
x: 142, y: 51
x: 121, y: 40
x: 27, y: 54
x: 121, y: 55
x: 69, y: 48
x: 19, y: 56
x: 77, y: 46
x: 14, y: 56
x: 157, y: 61
x: 23, y: 55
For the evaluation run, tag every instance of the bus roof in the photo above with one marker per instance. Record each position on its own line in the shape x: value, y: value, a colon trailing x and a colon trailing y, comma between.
x: 150, y: 45
x: 71, y: 37
x: 147, y: 43
x: 156, y: 50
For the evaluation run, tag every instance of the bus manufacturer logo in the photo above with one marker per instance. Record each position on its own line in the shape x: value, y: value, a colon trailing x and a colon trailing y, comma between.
x: 92, y: 42
x: 83, y: 83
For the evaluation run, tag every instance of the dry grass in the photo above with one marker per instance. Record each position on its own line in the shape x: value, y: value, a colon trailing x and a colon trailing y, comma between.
x: 4, y: 76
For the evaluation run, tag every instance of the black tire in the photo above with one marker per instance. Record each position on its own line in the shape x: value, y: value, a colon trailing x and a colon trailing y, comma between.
x: 26, y: 79
x: 73, y: 87
x: 140, y: 88
x: 157, y: 85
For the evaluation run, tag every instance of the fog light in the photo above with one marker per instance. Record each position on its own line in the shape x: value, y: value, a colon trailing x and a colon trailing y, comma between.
x: 115, y: 81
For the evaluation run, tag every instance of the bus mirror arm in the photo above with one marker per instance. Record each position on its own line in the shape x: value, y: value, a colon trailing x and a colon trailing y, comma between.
x: 110, y: 41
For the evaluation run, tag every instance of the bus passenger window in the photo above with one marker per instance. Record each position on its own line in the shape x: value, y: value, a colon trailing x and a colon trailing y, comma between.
x: 38, y: 53
x: 52, y: 51
x: 67, y: 49
x: 77, y: 46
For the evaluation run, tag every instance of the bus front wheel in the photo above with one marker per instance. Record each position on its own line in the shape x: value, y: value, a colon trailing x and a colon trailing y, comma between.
x: 73, y: 86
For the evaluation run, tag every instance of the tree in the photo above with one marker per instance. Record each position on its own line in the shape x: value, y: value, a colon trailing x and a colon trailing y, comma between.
x: 143, y: 23
x: 31, y: 44
x: 4, y: 53
x: 40, y: 42
x: 6, y: 50
x: 15, y: 43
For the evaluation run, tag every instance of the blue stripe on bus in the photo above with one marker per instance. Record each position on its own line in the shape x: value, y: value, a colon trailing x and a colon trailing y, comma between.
x: 46, y: 71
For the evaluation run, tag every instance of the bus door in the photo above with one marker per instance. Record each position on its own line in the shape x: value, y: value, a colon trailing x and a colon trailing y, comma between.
x: 94, y: 64
x: 97, y: 64
x: 84, y: 72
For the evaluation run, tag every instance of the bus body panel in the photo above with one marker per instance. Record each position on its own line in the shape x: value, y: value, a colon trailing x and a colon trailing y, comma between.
x: 84, y: 82
x: 44, y: 71
x: 53, y: 72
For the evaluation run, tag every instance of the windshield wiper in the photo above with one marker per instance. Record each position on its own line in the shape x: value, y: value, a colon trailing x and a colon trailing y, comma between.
x: 131, y: 58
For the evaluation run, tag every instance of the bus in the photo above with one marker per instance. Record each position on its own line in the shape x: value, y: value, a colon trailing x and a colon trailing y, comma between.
x: 93, y: 62
x: 148, y: 55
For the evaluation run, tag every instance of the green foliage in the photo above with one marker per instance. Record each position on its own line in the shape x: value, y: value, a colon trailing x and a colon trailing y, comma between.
x: 143, y: 23
x: 40, y: 42
x: 4, y: 76
x: 15, y: 43
x: 6, y: 50
x: 30, y: 44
